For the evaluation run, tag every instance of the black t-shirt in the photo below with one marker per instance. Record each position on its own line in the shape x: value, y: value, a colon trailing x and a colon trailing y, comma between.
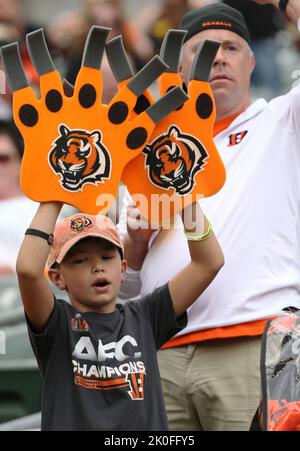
x: 100, y: 370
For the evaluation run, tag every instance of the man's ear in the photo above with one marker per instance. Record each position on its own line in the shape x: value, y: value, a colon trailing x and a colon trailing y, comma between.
x: 252, y: 62
x: 56, y: 278
x: 185, y: 82
x: 180, y: 70
x: 123, y: 269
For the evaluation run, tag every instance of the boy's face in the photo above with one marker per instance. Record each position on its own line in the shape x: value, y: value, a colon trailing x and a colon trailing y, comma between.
x: 91, y: 273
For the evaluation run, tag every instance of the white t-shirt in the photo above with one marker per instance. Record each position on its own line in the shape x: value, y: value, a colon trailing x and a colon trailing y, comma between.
x: 15, y: 217
x: 255, y: 217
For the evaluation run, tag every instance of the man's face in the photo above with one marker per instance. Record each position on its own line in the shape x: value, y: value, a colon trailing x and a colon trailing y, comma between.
x: 91, y: 273
x: 232, y: 68
x: 9, y: 168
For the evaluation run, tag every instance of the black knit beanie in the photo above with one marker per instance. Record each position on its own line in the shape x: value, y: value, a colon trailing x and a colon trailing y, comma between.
x: 216, y: 16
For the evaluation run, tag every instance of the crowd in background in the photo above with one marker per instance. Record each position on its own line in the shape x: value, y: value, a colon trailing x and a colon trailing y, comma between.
x: 66, y: 33
x: 274, y: 40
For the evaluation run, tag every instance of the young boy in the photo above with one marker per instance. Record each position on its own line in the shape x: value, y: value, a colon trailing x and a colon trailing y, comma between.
x: 98, y: 359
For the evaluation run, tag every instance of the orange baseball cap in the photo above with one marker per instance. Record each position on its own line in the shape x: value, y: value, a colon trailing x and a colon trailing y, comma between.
x: 77, y: 227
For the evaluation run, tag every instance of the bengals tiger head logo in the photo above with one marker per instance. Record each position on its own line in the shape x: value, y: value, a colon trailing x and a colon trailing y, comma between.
x: 80, y: 223
x: 79, y: 157
x: 173, y: 160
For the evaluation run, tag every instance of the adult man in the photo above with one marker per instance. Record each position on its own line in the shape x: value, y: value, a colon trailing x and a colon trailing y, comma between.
x: 210, y: 373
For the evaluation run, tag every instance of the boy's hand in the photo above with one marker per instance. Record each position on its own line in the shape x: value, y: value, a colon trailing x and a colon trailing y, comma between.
x: 137, y: 239
x: 193, y: 219
x: 138, y: 228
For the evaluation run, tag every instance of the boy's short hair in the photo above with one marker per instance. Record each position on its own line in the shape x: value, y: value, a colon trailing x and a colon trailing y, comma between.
x: 80, y: 226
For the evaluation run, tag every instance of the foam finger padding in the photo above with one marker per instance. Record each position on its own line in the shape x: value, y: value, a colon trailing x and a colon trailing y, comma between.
x: 76, y: 147
x: 180, y: 162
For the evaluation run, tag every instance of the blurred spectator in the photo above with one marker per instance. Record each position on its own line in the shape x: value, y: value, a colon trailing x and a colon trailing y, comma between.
x: 158, y: 19
x: 15, y: 210
x: 11, y: 12
x: 5, y: 96
x: 14, y: 27
x: 264, y: 22
x: 68, y: 32
x: 109, y: 13
x: 8, y: 34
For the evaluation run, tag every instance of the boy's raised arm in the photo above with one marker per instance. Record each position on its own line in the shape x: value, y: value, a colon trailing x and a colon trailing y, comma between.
x: 206, y: 260
x: 35, y: 291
